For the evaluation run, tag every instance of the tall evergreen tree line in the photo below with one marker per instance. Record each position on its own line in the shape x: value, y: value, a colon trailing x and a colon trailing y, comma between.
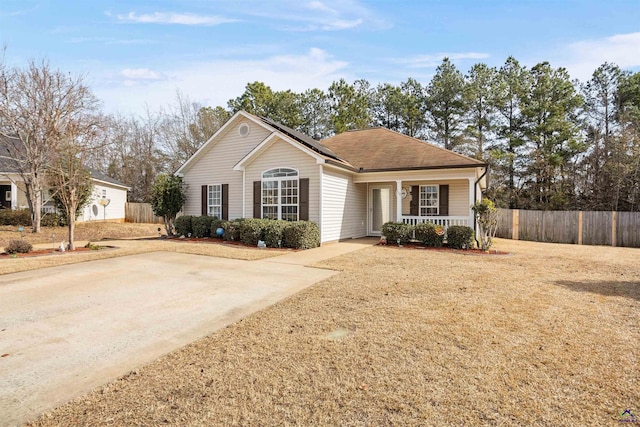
x: 551, y: 142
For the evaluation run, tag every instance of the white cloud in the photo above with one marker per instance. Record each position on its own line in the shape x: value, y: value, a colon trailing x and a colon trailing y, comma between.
x: 135, y: 76
x: 173, y: 18
x: 583, y: 57
x: 433, y: 60
x: 319, y: 6
x: 341, y: 24
x: 327, y: 15
x: 214, y: 83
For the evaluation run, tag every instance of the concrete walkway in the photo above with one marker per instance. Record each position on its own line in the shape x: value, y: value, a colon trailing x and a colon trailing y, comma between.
x: 310, y: 257
x: 66, y: 330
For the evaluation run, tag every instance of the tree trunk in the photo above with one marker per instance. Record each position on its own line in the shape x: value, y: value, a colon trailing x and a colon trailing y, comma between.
x: 34, y: 200
x: 168, y: 225
x: 72, y: 229
x: 71, y: 226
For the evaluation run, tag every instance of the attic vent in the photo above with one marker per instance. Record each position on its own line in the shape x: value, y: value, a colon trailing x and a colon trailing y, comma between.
x: 243, y: 130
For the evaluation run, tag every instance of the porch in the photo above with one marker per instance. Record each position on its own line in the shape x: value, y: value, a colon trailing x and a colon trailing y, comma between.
x: 445, y: 221
x: 438, y: 198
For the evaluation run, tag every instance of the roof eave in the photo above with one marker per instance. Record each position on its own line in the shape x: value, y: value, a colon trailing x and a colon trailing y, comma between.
x: 414, y: 168
x: 341, y: 165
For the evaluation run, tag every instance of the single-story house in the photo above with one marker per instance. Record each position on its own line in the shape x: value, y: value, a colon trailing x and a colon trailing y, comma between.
x: 349, y: 184
x: 107, y: 201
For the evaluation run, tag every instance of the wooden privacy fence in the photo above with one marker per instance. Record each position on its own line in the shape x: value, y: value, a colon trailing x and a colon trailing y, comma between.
x: 578, y: 227
x: 141, y: 213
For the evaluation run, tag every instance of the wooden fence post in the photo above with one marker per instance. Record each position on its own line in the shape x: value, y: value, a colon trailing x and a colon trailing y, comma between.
x: 515, y: 224
x: 579, y: 227
x: 614, y: 237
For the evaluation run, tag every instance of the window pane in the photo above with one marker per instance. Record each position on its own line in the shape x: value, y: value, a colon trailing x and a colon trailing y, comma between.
x: 290, y: 213
x: 215, y: 200
x: 270, y: 193
x: 289, y: 192
x: 279, y: 172
x: 429, y: 200
x: 270, y: 212
x: 215, y: 211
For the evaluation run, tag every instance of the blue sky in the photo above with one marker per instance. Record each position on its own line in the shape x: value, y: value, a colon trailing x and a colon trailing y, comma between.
x: 137, y: 53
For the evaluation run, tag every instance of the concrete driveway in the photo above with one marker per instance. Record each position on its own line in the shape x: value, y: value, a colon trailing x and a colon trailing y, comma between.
x: 66, y: 330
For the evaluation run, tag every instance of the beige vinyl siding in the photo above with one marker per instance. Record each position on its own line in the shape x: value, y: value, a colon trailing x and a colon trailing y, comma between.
x: 344, y: 207
x: 216, y: 167
x: 458, y: 195
x: 281, y: 154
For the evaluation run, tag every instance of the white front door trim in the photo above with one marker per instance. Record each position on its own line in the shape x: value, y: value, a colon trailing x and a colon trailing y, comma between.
x: 370, y: 204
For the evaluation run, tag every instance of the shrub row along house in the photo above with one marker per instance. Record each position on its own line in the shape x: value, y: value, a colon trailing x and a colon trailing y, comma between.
x: 105, y: 188
x: 350, y: 184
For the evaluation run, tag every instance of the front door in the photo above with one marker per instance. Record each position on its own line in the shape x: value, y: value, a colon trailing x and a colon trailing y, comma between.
x: 379, y: 208
x: 5, y: 196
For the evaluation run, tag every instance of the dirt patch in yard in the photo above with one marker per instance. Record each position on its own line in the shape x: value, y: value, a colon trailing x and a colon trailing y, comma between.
x: 547, y: 336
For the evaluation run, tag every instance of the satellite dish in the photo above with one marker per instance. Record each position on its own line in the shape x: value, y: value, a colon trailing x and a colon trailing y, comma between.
x: 104, y: 202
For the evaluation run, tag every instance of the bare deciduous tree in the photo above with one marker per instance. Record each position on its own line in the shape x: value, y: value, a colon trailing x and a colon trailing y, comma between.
x: 70, y: 183
x: 39, y: 108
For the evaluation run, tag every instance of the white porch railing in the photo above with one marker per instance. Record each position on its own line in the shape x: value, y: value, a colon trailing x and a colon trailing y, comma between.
x: 444, y: 221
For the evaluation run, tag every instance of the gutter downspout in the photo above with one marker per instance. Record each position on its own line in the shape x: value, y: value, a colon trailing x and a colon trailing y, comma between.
x: 475, y: 199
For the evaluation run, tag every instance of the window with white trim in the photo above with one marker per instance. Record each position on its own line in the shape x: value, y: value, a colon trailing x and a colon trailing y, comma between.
x: 280, y: 194
x: 214, y: 200
x: 429, y: 200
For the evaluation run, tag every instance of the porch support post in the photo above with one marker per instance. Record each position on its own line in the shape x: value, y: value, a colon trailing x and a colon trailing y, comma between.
x: 14, y: 195
x: 471, y: 202
x: 398, y: 200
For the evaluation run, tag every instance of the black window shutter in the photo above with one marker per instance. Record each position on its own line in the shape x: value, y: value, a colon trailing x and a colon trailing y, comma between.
x: 444, y: 200
x: 415, y: 200
x: 304, y: 200
x: 257, y: 199
x: 204, y: 200
x: 225, y: 201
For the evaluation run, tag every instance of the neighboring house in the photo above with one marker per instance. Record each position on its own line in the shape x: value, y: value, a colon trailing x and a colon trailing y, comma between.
x: 107, y: 201
x: 349, y: 184
x: 12, y: 195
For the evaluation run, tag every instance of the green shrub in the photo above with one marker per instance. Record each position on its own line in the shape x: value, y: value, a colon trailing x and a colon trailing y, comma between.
x: 15, y: 217
x: 301, y: 235
x: 52, y: 220
x: 274, y: 233
x: 18, y: 247
x: 232, y: 230
x: 460, y: 237
x: 215, y: 224
x: 93, y: 246
x: 183, y: 225
x: 252, y: 230
x: 429, y: 234
x: 395, y: 231
x: 201, y: 226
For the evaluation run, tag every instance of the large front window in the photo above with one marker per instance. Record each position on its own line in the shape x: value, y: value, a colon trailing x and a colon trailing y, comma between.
x: 428, y: 200
x: 280, y: 194
x: 215, y: 201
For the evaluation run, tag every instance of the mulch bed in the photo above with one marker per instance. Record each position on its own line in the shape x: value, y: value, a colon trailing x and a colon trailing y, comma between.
x: 212, y: 240
x: 46, y: 252
x: 473, y: 251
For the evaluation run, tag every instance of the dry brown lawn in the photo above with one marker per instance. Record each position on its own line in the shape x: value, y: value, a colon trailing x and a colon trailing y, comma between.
x: 84, y: 231
x: 113, y: 234
x: 549, y: 335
